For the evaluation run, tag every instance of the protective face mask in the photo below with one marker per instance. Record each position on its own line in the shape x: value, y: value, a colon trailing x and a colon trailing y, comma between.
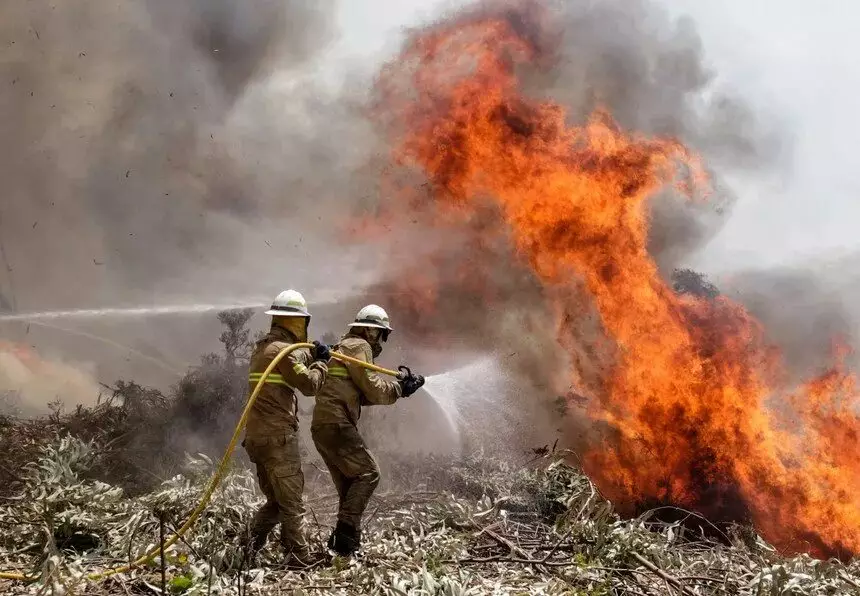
x: 298, y: 326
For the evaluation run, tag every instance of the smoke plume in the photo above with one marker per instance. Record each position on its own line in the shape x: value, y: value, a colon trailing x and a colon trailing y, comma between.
x: 191, y: 148
x: 808, y: 309
x: 167, y: 152
x: 128, y: 168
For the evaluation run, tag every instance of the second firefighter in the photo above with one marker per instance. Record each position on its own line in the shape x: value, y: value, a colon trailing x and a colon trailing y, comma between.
x: 334, y: 428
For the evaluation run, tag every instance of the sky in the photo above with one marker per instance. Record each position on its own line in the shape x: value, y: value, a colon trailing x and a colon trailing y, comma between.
x: 800, y: 63
x: 793, y: 62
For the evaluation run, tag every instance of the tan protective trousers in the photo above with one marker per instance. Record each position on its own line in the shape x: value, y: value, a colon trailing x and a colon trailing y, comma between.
x: 352, y: 467
x: 279, y: 473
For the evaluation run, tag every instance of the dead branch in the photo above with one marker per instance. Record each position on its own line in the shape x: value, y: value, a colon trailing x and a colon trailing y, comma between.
x: 663, y: 575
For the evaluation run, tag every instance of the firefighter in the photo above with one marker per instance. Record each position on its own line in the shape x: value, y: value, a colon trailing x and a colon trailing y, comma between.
x: 335, y: 419
x: 271, y: 434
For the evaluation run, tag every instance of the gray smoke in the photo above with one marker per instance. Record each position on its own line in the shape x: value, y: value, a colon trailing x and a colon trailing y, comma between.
x: 651, y: 72
x: 806, y: 310
x: 127, y: 165
x: 166, y: 149
x: 158, y: 152
x: 192, y: 149
x: 28, y: 383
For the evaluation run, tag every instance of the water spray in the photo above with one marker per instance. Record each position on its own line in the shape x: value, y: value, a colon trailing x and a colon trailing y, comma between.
x: 321, y: 297
x: 449, y: 389
x: 92, y: 313
x: 152, y: 359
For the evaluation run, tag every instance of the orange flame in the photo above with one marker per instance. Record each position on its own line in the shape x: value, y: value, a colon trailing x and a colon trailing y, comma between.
x: 688, y: 394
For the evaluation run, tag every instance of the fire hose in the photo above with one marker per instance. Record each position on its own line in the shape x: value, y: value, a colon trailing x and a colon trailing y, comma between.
x: 218, y: 476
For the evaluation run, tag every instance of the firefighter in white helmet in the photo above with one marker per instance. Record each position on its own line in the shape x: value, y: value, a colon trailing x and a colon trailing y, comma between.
x: 271, y: 435
x: 335, y: 419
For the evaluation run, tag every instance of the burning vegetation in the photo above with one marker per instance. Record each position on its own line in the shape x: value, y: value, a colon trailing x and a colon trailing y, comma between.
x: 540, y: 224
x: 447, y: 527
x: 691, y: 395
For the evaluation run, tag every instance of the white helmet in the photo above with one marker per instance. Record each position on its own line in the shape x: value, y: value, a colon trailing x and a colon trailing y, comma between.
x: 372, y: 316
x: 289, y: 303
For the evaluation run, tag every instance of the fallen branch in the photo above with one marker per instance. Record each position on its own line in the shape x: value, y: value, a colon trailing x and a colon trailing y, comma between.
x: 503, y: 559
x: 849, y: 581
x: 662, y: 574
x: 553, y: 550
x: 505, y: 542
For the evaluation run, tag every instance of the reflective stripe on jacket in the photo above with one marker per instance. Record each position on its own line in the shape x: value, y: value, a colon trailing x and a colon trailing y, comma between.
x: 349, y: 386
x: 274, y: 412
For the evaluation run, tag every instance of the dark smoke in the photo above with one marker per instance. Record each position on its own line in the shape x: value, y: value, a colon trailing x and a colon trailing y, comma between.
x: 246, y: 41
x: 157, y: 152
x: 123, y: 166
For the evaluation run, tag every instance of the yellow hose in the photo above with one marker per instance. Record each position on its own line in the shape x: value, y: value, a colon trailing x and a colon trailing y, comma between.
x: 219, y: 473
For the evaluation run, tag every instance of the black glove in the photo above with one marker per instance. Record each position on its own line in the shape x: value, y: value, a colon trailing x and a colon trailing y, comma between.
x: 321, y: 352
x: 409, y: 383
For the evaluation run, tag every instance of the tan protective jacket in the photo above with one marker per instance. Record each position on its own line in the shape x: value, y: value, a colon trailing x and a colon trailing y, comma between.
x: 349, y: 386
x: 274, y: 412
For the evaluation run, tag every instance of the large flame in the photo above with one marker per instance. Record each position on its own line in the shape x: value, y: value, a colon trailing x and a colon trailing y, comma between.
x: 694, y: 397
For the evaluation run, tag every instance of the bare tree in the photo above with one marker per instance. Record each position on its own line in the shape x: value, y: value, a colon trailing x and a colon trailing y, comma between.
x: 235, y: 336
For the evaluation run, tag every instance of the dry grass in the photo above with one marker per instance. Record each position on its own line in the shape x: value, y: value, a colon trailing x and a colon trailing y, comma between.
x: 467, y: 527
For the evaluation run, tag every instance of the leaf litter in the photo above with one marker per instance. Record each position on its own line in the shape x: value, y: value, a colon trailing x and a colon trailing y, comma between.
x: 454, y: 527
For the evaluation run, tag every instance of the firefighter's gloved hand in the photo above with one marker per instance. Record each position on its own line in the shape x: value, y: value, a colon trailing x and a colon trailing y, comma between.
x: 410, y: 383
x: 321, y: 352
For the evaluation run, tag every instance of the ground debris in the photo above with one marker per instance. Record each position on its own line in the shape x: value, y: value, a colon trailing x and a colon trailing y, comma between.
x: 467, y: 527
